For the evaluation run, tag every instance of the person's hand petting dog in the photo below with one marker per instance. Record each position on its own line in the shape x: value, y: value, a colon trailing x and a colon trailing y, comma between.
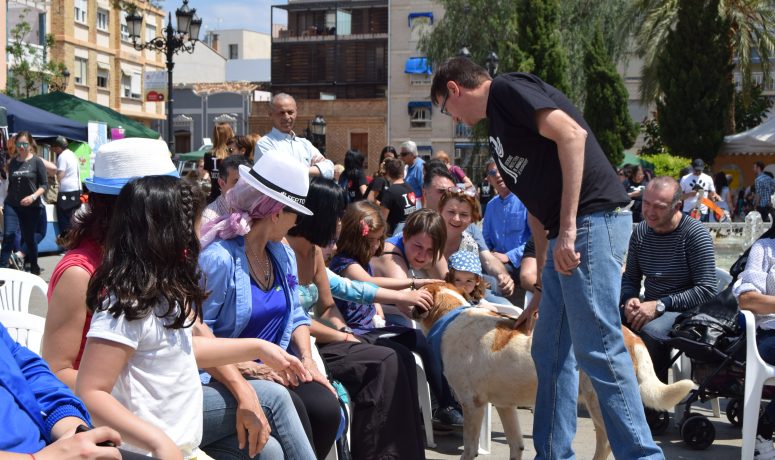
x: 529, y: 314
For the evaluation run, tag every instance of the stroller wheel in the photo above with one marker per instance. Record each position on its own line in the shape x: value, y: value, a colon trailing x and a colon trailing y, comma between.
x: 698, y: 432
x: 658, y: 421
x: 735, y: 412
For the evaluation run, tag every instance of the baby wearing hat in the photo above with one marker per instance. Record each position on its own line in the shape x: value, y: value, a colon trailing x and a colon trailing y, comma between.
x: 465, y: 272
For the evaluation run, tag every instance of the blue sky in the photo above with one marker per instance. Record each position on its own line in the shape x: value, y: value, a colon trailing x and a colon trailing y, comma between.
x: 230, y: 14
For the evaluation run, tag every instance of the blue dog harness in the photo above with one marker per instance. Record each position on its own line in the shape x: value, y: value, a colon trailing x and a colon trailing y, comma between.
x: 437, y: 332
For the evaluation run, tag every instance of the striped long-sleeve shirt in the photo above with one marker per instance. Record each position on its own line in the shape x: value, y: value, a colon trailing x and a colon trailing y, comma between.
x: 679, y: 267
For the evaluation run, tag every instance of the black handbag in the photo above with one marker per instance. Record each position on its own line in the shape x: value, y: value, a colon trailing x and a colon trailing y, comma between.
x: 711, y: 322
x: 69, y: 200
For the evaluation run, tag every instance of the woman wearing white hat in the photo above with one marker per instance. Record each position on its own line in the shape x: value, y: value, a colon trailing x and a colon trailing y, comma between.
x: 68, y: 318
x: 252, y: 279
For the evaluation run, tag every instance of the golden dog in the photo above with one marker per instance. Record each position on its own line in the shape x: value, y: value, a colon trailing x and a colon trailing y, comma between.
x: 487, y: 360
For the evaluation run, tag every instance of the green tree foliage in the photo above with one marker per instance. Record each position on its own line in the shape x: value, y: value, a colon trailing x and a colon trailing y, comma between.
x: 579, y: 21
x: 652, y: 140
x: 748, y: 28
x: 606, y: 102
x: 752, y: 114
x: 667, y: 165
x: 482, y: 26
x: 31, y: 68
x: 539, y: 37
x: 692, y: 73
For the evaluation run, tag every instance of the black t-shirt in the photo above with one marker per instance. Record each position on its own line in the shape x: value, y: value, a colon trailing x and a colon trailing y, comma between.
x: 529, y: 163
x: 400, y: 201
x: 352, y: 183
x: 211, y: 166
x: 485, y: 193
x: 24, y: 177
x: 378, y: 185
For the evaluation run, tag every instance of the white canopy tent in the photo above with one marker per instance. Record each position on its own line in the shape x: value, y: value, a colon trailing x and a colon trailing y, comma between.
x: 757, y: 140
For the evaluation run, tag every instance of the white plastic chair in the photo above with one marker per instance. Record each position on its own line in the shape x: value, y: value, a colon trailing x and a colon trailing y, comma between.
x: 757, y: 374
x: 17, y: 288
x: 424, y: 394
x: 25, y: 328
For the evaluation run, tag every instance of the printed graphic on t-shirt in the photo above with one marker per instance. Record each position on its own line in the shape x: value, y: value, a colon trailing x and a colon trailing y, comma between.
x: 512, y: 165
x: 694, y: 182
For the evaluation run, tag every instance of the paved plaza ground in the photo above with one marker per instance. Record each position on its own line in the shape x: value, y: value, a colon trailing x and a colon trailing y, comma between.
x: 450, y: 446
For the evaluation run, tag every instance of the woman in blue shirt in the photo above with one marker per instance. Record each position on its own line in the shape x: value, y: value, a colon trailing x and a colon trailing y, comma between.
x: 252, y: 279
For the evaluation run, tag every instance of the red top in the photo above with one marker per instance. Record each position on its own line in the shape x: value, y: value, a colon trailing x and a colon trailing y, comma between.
x: 88, y: 256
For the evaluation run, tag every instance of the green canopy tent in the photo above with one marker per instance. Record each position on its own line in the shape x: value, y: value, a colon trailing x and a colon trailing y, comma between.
x: 634, y: 159
x: 78, y: 109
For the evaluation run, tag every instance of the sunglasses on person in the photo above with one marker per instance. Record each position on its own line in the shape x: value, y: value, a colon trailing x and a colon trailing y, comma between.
x: 22, y: 145
x: 461, y: 191
x: 443, y: 107
x: 492, y: 172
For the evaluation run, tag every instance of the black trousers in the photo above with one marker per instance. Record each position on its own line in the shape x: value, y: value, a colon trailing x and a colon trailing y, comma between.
x: 382, y: 384
x: 319, y: 413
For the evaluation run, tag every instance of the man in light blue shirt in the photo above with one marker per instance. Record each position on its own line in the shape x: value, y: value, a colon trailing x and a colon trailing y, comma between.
x: 505, y: 228
x: 282, y: 138
x: 414, y: 170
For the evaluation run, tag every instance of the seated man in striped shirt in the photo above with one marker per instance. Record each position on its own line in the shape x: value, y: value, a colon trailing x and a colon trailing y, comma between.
x: 673, y: 255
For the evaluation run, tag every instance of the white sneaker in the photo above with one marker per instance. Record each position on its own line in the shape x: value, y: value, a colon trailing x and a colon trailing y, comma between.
x: 763, y: 449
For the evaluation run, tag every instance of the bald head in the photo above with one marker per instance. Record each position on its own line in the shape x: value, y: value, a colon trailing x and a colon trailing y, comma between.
x: 282, y: 112
x: 660, y: 183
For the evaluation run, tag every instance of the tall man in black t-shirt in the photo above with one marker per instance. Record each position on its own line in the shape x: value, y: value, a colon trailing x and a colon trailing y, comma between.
x: 548, y: 157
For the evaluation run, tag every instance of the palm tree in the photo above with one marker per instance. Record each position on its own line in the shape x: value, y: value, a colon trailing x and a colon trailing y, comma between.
x: 649, y: 21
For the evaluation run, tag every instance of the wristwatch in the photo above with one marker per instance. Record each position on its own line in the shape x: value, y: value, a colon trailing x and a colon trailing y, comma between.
x: 346, y: 329
x: 660, y: 307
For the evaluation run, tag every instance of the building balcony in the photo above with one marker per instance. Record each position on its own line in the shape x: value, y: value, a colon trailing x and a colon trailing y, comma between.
x: 33, y: 53
x: 287, y: 36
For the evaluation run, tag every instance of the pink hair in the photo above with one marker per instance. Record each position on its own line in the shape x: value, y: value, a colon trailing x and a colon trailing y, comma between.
x: 246, y: 204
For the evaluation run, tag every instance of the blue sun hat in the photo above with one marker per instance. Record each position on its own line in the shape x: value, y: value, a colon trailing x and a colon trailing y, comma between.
x: 466, y: 261
x: 123, y: 160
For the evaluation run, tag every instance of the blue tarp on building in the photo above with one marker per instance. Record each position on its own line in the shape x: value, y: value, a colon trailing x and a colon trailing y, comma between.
x: 418, y: 65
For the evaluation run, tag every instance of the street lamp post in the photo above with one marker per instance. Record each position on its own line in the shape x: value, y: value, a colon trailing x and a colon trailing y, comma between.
x: 60, y: 85
x: 318, y: 131
x: 173, y: 42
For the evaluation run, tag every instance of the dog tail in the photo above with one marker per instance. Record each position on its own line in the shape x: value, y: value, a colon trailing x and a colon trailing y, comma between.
x: 655, y: 394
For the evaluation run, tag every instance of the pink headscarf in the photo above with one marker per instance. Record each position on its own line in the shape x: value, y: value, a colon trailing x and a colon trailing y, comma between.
x: 246, y: 203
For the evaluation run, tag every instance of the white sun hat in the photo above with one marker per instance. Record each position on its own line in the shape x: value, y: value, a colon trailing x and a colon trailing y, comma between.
x: 119, y: 162
x: 281, y: 178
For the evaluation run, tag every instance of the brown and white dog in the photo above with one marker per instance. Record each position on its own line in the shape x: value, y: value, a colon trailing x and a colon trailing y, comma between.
x: 487, y: 360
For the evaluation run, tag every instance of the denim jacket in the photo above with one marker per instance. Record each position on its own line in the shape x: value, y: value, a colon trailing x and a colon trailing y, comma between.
x: 228, y: 308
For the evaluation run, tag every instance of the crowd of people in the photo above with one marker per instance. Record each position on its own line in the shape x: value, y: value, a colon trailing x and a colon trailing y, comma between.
x: 267, y: 286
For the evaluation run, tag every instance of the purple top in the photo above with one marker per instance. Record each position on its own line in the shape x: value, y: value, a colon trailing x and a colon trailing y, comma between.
x: 358, y: 316
x: 267, y: 317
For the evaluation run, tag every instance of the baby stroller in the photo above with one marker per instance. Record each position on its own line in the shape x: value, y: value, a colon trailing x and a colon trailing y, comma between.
x: 712, y: 339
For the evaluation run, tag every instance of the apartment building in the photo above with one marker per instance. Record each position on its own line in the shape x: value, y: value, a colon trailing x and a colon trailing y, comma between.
x: 92, y: 40
x: 411, y: 115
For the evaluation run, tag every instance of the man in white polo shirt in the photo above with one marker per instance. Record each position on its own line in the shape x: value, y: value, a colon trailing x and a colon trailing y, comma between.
x: 69, y: 196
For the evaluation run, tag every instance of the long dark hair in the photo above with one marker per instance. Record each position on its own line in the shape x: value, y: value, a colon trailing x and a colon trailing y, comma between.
x: 327, y: 202
x: 151, y: 253
x: 91, y: 222
x: 353, y: 163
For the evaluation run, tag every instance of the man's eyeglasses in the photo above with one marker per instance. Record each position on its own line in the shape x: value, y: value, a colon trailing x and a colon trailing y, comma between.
x: 22, y: 145
x: 461, y: 191
x: 443, y: 107
x: 492, y: 172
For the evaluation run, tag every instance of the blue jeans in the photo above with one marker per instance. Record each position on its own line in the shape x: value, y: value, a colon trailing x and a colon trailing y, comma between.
x: 24, y: 218
x: 219, y: 438
x: 765, y: 342
x: 655, y: 335
x: 579, y: 325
